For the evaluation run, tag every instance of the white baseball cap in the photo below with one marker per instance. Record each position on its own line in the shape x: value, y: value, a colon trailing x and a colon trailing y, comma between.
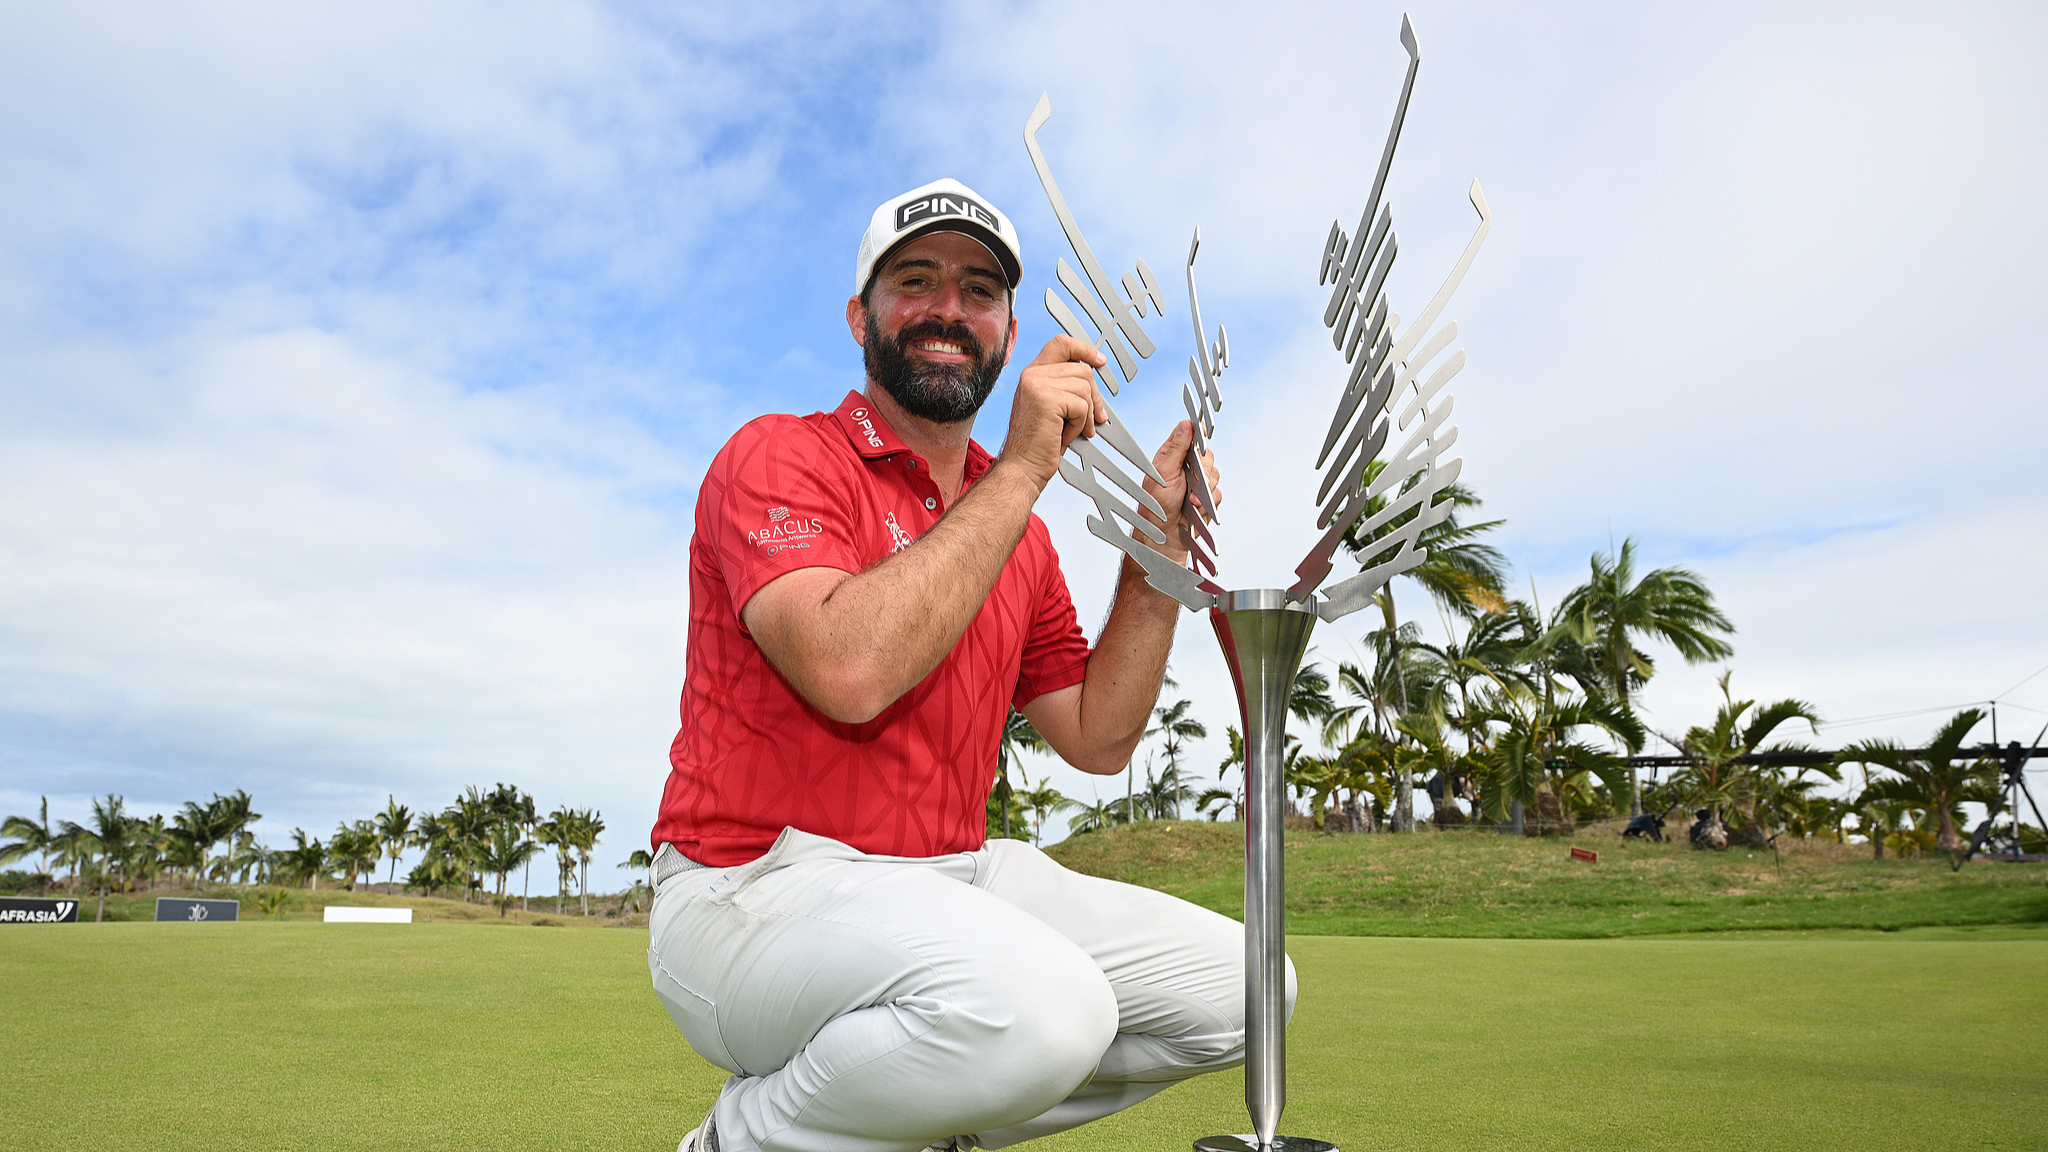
x: 941, y: 206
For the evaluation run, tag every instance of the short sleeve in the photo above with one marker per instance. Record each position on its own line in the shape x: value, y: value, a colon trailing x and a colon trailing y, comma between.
x: 1055, y: 650
x: 776, y: 499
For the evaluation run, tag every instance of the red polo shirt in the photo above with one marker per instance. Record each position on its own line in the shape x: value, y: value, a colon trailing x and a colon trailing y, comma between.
x: 839, y: 490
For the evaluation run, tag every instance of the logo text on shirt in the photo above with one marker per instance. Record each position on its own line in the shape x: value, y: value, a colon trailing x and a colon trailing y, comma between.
x: 785, y: 531
x: 860, y: 417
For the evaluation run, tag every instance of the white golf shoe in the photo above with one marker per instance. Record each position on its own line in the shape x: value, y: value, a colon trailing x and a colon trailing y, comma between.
x: 702, y: 1138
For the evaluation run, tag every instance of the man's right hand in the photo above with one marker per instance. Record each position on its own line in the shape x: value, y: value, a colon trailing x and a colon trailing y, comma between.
x: 1056, y: 401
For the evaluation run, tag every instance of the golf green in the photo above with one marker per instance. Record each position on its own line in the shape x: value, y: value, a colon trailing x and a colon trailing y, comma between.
x: 294, y: 1035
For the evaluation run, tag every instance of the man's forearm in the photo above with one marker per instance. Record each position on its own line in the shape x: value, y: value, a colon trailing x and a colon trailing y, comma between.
x: 876, y: 634
x: 1124, y: 673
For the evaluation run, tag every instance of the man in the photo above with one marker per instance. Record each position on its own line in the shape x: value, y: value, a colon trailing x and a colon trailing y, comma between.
x: 870, y: 594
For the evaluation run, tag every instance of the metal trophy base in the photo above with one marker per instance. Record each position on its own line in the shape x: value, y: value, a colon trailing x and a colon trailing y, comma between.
x: 1248, y: 1143
x: 1264, y: 636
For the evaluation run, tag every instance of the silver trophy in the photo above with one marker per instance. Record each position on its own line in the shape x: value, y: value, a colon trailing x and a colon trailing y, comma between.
x: 1264, y: 632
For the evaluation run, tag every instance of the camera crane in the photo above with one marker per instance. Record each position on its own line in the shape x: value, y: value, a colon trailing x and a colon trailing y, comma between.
x: 2012, y: 763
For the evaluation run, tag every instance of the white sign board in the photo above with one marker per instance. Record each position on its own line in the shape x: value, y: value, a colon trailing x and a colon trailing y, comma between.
x: 337, y: 914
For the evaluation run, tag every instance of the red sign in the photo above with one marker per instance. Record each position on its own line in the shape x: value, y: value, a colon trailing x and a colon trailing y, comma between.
x: 1586, y: 854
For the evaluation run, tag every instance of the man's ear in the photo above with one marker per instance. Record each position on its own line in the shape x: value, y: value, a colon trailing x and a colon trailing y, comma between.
x: 1010, y: 347
x: 857, y: 322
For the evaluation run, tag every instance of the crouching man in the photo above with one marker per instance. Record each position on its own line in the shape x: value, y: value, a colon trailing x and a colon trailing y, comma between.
x: 870, y: 594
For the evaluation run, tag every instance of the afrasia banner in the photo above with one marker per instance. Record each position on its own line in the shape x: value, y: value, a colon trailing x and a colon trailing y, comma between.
x: 28, y: 910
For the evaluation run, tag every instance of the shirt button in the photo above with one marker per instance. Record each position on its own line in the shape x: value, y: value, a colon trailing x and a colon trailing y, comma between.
x: 910, y: 464
x: 930, y: 502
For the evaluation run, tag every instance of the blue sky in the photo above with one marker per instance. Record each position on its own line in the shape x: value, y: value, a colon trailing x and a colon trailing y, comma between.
x: 358, y: 364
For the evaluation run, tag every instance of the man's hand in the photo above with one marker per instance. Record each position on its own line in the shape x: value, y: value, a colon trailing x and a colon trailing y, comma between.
x: 1055, y: 402
x: 1172, y: 496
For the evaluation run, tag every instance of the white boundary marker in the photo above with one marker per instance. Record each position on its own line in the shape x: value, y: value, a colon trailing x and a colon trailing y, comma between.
x: 341, y: 914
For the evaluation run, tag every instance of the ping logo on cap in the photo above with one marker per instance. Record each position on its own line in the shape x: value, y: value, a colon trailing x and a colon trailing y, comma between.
x: 945, y: 204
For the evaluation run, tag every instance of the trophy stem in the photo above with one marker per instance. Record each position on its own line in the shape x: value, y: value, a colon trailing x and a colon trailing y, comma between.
x: 1264, y: 638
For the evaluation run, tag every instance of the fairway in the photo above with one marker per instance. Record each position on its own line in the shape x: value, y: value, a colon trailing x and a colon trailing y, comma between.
x: 292, y: 1035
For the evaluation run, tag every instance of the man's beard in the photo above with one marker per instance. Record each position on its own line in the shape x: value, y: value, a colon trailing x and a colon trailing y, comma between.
x: 941, y: 393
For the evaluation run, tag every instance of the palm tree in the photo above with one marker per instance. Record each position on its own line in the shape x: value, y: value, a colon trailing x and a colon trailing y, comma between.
x: 113, y: 832
x: 468, y: 823
x: 26, y: 836
x: 1163, y: 795
x: 1720, y: 774
x: 1937, y: 783
x: 1018, y: 735
x: 75, y: 848
x: 242, y: 857
x: 1493, y: 645
x: 1177, y: 727
x: 1097, y: 816
x: 231, y: 816
x: 1460, y: 572
x: 1232, y: 759
x: 507, y: 803
x: 1536, y: 750
x: 1002, y: 816
x: 1366, y: 767
x: 557, y: 832
x: 1606, y: 614
x: 394, y: 831
x: 183, y: 851
x: 505, y: 851
x: 355, y: 849
x: 1214, y: 802
x: 586, y: 827
x: 150, y: 846
x: 199, y: 826
x: 307, y: 857
x: 1878, y: 818
x: 643, y: 860
x: 1308, y: 699
x: 1042, y: 801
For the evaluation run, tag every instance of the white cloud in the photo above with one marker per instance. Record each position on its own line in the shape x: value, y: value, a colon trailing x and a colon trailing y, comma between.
x: 326, y: 577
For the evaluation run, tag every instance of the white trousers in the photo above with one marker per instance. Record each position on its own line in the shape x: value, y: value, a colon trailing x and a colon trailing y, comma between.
x: 881, y: 1003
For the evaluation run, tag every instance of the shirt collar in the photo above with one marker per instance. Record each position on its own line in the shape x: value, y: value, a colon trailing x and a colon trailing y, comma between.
x: 872, y: 437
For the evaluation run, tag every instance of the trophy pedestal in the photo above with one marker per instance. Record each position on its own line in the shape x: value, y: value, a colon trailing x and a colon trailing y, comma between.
x: 1264, y: 638
x: 1249, y: 1143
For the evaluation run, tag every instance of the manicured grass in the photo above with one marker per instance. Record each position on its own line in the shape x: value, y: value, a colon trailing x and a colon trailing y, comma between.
x: 341, y: 1036
x: 293, y: 1035
x: 1481, y: 884
x: 304, y: 904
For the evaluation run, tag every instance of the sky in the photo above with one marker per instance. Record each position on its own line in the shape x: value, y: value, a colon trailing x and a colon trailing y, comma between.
x: 359, y: 363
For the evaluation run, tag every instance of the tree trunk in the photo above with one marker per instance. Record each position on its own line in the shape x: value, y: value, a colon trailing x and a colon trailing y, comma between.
x: 1714, y: 834
x: 1514, y: 824
x: 1402, y: 818
x: 1357, y: 814
x: 1947, y: 839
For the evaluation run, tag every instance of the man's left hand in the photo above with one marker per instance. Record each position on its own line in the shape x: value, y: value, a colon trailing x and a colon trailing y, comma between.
x: 1172, y: 496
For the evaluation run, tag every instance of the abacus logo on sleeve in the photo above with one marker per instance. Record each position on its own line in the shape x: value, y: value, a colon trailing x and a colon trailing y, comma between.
x: 785, y: 531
